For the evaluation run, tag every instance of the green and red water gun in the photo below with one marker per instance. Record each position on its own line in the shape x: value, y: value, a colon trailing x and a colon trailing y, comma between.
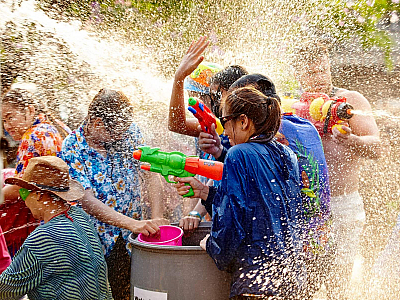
x: 178, y: 164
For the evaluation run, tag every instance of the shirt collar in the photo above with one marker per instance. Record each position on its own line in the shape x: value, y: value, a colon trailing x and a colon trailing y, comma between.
x: 41, y: 118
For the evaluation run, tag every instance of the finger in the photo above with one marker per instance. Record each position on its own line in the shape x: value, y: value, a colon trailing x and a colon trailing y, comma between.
x: 207, y: 147
x: 185, y: 179
x: 190, y: 225
x: 204, y: 135
x: 181, y: 223
x: 190, y: 47
x: 152, y: 228
x: 207, y: 142
x: 196, y: 223
x: 145, y: 232
x: 183, y: 192
x: 214, y: 132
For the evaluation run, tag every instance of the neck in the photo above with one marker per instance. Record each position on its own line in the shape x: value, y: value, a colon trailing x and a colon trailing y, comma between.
x: 54, y: 208
x: 92, y: 142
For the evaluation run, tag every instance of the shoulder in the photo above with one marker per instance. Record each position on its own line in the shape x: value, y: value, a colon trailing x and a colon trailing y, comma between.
x: 71, y: 141
x: 38, y: 237
x: 354, y: 98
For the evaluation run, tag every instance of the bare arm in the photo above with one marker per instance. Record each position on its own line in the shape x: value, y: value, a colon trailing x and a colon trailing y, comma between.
x: 154, y: 188
x: 10, y: 193
x: 177, y: 121
x: 363, y: 134
x: 106, y: 214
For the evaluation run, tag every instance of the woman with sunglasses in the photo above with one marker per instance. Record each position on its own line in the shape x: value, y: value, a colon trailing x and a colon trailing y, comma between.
x: 26, y: 120
x: 257, y: 215
x: 210, y: 92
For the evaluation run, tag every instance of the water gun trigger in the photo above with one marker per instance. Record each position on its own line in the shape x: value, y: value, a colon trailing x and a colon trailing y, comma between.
x: 190, y: 193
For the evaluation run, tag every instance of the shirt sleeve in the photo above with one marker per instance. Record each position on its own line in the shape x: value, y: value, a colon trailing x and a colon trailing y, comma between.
x: 23, y: 275
x: 229, y: 214
x: 70, y: 154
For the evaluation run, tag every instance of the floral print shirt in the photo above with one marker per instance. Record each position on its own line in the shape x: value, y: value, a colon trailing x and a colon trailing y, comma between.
x: 114, y: 179
x: 42, y: 139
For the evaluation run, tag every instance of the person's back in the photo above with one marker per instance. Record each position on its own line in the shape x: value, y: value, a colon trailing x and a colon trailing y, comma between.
x: 302, y: 137
x: 67, y: 257
x: 268, y: 215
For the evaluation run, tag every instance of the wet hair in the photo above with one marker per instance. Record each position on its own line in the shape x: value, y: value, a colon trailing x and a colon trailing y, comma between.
x: 308, y: 53
x: 259, y: 82
x: 22, y: 99
x: 113, y: 108
x: 263, y: 110
x: 226, y: 77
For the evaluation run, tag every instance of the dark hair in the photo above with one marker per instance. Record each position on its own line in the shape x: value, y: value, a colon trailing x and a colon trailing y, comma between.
x: 227, y: 76
x: 259, y: 82
x: 263, y: 110
x: 22, y: 99
x: 113, y: 108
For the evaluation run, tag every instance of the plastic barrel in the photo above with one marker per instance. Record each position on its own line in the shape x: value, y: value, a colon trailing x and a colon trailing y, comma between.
x: 175, y: 273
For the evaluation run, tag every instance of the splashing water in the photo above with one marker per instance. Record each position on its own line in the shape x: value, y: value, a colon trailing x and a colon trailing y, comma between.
x: 374, y: 113
x: 260, y: 41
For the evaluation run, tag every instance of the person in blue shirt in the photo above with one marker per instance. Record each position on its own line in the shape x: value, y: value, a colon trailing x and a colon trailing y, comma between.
x: 256, y: 232
x: 303, y: 138
x: 100, y: 156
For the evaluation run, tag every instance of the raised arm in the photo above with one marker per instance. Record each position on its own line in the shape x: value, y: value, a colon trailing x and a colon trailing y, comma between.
x: 177, y: 121
x: 362, y: 134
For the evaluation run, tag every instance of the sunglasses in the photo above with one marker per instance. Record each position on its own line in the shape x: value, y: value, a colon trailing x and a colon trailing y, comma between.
x: 24, y: 193
x: 226, y: 119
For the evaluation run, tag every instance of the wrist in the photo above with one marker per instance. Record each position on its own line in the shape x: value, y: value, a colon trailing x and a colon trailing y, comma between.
x: 219, y: 151
x: 179, y: 77
x: 195, y: 214
x: 204, y: 192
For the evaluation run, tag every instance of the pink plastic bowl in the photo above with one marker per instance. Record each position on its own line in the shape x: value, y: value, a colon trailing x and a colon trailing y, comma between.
x: 169, y: 236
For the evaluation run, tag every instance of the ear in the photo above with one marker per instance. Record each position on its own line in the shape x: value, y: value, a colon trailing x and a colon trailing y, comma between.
x: 31, y: 111
x: 97, y: 123
x: 244, y: 122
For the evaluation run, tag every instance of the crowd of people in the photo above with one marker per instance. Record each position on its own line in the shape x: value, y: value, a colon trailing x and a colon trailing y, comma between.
x: 286, y: 216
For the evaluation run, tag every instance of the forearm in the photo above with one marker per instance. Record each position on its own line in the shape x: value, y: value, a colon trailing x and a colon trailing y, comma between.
x: 368, y: 146
x: 103, y: 212
x: 153, y: 186
x: 200, y: 208
x: 177, y: 121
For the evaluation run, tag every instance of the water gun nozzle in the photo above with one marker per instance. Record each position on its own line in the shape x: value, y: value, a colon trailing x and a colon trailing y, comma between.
x: 137, y: 154
x: 145, y: 167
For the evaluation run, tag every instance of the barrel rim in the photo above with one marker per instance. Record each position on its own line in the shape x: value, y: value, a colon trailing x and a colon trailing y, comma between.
x: 141, y: 245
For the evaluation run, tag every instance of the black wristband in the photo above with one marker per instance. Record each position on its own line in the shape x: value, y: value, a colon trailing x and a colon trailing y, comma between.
x: 212, y: 190
x: 221, y: 158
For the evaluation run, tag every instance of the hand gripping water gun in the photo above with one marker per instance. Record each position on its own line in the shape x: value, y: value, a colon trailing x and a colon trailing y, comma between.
x: 323, y: 112
x: 205, y: 116
x: 178, y: 164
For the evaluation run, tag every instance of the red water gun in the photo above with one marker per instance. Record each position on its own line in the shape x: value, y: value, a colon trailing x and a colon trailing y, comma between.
x: 205, y: 116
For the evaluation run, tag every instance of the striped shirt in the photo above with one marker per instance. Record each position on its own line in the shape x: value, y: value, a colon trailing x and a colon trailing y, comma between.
x: 61, y: 259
